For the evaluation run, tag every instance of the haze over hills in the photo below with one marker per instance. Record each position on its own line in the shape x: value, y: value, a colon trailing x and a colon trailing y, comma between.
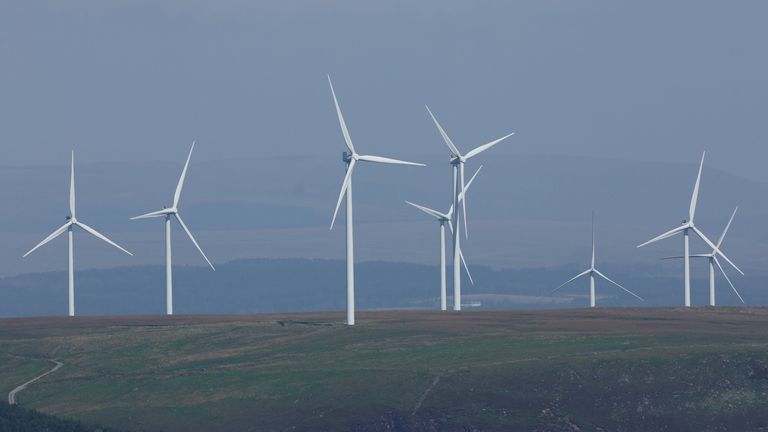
x: 268, y: 286
x: 525, y: 210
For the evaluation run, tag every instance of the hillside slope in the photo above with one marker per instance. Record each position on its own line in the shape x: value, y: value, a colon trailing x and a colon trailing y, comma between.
x: 547, y: 370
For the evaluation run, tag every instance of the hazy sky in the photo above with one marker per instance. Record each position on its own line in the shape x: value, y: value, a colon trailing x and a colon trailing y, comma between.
x: 129, y: 82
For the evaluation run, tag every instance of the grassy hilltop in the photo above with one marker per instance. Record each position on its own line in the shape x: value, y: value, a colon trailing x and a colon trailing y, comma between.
x: 555, y: 370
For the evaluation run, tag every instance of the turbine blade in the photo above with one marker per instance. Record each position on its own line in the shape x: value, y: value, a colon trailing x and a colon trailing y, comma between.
x: 584, y: 273
x: 722, y: 236
x: 191, y: 237
x: 728, y: 279
x: 342, y: 123
x: 100, y: 236
x: 667, y: 234
x: 469, y: 183
x: 593, y: 239
x: 716, y: 250
x: 427, y: 210
x: 447, y: 139
x: 609, y: 280
x: 344, y: 185
x: 689, y: 256
x: 180, y: 185
x: 466, y: 268
x: 449, y: 215
x: 464, y: 201
x: 476, y: 151
x: 53, y: 235
x: 153, y: 214
x: 72, y: 186
x: 380, y: 159
x: 695, y: 196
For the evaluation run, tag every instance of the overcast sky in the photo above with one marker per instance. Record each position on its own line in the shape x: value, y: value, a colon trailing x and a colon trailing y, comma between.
x: 130, y: 82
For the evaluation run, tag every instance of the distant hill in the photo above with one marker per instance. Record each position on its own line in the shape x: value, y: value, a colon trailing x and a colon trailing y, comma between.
x: 285, y: 285
x: 524, y: 211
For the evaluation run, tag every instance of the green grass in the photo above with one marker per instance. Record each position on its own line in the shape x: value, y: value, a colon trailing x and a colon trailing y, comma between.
x: 622, y: 370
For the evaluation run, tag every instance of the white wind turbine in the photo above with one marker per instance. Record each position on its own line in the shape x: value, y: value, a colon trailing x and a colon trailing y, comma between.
x: 685, y: 228
x: 457, y: 162
x: 444, y: 218
x: 168, y: 213
x: 592, y: 271
x: 350, y: 159
x: 72, y: 222
x: 712, y: 258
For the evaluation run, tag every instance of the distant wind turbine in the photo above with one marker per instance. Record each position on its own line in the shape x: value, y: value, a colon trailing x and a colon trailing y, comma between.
x: 168, y: 213
x: 712, y: 258
x: 444, y: 218
x: 684, y: 228
x: 72, y: 222
x: 592, y: 271
x: 457, y: 162
x: 350, y: 159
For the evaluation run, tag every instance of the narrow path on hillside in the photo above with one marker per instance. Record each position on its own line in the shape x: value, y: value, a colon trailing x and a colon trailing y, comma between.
x: 424, y: 395
x: 12, y: 394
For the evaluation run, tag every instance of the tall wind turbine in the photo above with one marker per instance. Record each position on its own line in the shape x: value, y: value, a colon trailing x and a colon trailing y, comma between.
x: 168, y: 214
x: 712, y: 258
x: 350, y: 158
x: 443, y: 219
x: 592, y: 271
x: 457, y: 162
x: 685, y: 228
x: 71, y: 223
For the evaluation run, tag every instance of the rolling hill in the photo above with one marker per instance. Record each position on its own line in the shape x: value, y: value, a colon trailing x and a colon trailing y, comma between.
x: 546, y: 370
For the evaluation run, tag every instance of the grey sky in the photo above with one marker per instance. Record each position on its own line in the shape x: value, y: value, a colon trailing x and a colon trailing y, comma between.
x: 121, y: 80
x: 136, y: 81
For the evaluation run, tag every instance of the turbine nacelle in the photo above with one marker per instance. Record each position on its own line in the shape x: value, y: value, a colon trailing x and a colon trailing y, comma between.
x: 72, y: 220
x: 712, y: 257
x: 174, y: 210
x: 458, y: 160
x: 593, y: 271
x: 351, y: 157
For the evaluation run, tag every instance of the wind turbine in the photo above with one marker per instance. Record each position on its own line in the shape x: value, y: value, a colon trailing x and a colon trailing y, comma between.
x: 72, y: 222
x: 457, y: 162
x: 350, y: 158
x: 592, y: 271
x: 443, y: 219
x: 712, y: 258
x: 685, y: 228
x: 168, y: 214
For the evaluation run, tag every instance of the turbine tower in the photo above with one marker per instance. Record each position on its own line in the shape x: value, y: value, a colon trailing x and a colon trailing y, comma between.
x: 443, y: 219
x: 350, y: 158
x: 713, y: 261
x: 592, y: 271
x: 168, y: 214
x: 457, y: 161
x: 72, y: 222
x: 685, y: 228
